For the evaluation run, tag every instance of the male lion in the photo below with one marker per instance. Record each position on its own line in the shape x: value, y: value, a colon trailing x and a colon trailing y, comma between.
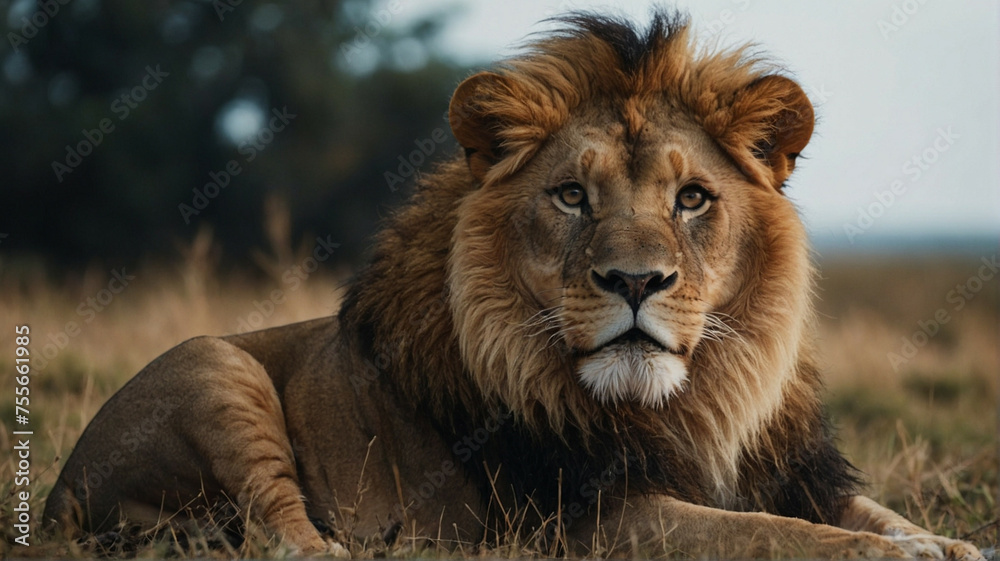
x: 593, y: 327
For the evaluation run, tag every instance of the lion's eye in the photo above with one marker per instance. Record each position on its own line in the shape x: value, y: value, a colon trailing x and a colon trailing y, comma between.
x: 570, y: 197
x: 572, y: 194
x: 692, y: 197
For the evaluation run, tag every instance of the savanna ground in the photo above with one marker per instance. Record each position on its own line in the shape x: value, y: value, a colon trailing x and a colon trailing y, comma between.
x: 925, y: 431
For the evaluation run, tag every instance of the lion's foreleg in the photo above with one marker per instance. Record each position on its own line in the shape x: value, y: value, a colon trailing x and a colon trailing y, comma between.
x: 239, y: 426
x: 658, y: 525
x: 864, y: 514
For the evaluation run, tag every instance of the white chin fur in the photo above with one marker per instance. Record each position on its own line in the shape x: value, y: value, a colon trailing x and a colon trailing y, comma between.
x: 628, y: 373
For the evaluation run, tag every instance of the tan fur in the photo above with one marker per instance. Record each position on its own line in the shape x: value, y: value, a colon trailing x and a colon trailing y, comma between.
x: 491, y: 345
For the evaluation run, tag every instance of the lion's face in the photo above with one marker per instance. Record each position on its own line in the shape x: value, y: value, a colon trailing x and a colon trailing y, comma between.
x: 625, y: 246
x: 619, y: 221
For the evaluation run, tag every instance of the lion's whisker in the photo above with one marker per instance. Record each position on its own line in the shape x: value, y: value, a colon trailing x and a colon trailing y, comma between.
x: 717, y: 329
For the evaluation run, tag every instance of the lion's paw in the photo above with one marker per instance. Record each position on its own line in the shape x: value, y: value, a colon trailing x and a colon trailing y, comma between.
x: 963, y: 551
x: 930, y: 546
x: 320, y: 547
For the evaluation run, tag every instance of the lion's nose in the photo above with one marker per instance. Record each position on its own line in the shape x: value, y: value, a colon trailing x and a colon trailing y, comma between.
x: 634, y: 288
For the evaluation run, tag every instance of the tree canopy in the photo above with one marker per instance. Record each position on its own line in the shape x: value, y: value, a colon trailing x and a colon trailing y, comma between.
x: 128, y: 126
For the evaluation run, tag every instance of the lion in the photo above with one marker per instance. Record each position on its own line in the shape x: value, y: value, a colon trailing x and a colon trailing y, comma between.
x: 591, y: 327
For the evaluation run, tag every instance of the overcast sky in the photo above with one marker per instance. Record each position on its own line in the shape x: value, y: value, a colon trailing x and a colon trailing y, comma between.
x: 892, y: 80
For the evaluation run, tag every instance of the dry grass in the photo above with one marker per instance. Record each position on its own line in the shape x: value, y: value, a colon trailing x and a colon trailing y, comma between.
x: 926, y: 430
x: 926, y: 433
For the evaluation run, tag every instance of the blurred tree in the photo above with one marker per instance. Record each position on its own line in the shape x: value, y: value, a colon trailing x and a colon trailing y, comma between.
x: 126, y: 125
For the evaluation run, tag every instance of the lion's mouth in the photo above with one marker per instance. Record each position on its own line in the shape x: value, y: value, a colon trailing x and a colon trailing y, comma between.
x: 638, y: 339
x: 635, y: 336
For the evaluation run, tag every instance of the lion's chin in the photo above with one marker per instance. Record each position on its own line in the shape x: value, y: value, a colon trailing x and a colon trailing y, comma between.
x: 632, y: 372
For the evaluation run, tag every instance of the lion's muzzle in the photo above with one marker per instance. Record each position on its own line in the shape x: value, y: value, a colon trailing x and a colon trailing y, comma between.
x: 634, y: 288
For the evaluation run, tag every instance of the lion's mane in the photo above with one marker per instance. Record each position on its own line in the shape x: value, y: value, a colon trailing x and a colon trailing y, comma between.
x: 446, y: 316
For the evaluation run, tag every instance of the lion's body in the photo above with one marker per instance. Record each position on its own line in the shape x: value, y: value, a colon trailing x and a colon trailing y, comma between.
x: 178, y: 437
x: 598, y: 319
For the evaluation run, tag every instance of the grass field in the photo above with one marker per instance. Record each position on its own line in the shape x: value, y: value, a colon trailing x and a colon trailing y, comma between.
x: 923, y: 424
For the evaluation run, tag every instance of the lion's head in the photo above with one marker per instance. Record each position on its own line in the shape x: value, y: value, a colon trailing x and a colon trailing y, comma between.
x: 614, y: 241
x: 630, y: 211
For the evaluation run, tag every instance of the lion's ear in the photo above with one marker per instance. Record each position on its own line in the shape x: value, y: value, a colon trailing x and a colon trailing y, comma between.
x: 771, y: 121
x: 472, y: 122
x: 501, y: 121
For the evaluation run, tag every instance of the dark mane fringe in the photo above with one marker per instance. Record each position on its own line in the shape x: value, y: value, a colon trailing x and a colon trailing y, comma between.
x: 630, y: 43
